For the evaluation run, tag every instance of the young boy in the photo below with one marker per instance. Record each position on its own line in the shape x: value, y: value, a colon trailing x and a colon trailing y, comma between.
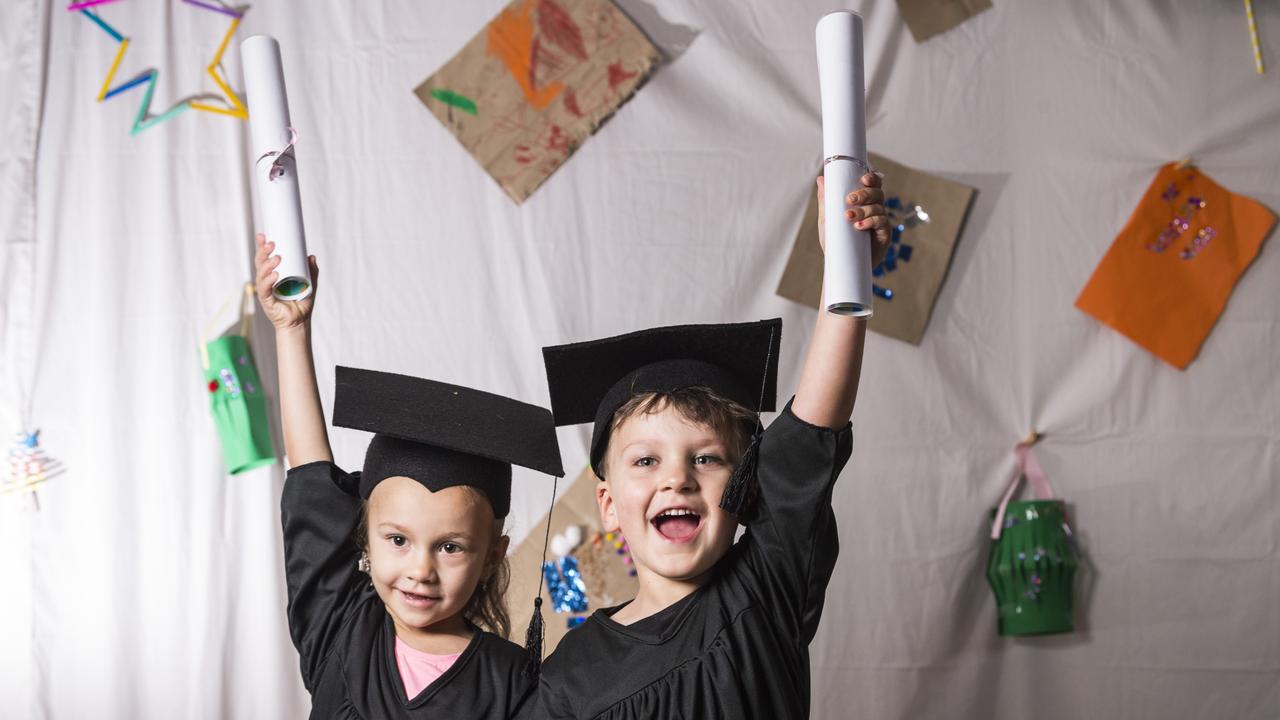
x: 717, y: 629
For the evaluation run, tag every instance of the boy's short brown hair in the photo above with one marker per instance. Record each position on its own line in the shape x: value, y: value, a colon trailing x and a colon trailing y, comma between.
x: 698, y: 404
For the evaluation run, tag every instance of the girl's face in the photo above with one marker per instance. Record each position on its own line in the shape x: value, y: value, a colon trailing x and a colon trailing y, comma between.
x: 429, y: 550
x: 664, y: 478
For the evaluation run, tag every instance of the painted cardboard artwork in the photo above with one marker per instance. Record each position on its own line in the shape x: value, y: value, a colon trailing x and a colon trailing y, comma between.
x: 1166, y: 278
x: 600, y: 562
x: 539, y: 79
x: 928, y: 214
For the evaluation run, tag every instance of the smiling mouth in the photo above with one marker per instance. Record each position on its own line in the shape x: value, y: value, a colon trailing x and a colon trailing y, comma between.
x: 418, y: 601
x: 678, y: 525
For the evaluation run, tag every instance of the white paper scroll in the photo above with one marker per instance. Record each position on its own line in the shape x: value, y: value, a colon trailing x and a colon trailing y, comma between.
x: 847, y: 270
x: 275, y: 164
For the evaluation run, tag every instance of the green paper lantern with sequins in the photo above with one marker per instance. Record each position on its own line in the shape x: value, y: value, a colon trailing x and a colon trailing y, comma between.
x: 1032, y: 568
x: 1032, y: 564
x: 238, y: 405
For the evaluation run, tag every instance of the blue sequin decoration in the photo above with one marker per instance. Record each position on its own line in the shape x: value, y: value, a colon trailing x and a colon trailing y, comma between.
x: 565, y: 586
x: 898, y: 251
x: 575, y: 621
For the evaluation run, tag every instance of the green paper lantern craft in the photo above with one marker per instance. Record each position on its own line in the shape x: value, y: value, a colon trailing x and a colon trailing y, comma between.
x: 1033, y: 560
x: 235, y: 396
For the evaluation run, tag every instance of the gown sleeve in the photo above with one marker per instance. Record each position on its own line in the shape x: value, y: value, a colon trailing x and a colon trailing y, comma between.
x: 545, y: 702
x: 319, y: 509
x: 792, y: 541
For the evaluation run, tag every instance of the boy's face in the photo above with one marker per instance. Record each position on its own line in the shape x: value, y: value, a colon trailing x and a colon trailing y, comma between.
x: 664, y: 476
x: 428, y: 550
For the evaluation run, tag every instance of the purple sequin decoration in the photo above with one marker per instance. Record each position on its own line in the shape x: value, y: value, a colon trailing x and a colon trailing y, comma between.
x: 229, y: 382
x: 1198, y: 243
x: 1178, y: 225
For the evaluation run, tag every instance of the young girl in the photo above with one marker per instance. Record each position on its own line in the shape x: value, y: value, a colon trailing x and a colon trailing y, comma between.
x: 396, y: 574
x: 717, y: 629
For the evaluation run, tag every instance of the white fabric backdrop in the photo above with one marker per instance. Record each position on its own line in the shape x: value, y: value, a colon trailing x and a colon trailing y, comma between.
x: 150, y: 584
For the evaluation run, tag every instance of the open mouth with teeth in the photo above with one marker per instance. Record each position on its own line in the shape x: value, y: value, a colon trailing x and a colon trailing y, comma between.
x: 418, y: 601
x: 677, y: 524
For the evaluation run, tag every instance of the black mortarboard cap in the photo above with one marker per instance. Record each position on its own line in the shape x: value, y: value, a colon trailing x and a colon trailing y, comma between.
x: 590, y: 380
x: 444, y: 435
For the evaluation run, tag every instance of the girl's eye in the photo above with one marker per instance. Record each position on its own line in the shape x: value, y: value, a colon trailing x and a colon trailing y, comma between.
x: 708, y: 460
x: 646, y: 461
x: 450, y: 548
x: 398, y: 540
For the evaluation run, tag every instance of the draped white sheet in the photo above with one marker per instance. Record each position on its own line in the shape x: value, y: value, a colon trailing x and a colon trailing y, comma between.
x: 150, y: 583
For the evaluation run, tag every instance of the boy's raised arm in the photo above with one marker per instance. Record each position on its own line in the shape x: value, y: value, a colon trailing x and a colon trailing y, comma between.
x: 833, y: 362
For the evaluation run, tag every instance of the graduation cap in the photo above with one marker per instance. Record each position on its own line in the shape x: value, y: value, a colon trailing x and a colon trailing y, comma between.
x: 444, y: 435
x: 590, y: 380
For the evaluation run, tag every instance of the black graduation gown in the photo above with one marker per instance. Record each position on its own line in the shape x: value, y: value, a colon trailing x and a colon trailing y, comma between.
x: 344, y: 635
x: 739, y: 646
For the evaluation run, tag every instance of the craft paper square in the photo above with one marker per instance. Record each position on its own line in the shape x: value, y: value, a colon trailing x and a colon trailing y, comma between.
x: 926, y: 18
x: 607, y: 577
x: 530, y: 87
x: 1167, y: 276
x: 908, y: 281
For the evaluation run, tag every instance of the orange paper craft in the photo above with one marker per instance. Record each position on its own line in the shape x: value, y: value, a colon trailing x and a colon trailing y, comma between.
x: 1166, y: 279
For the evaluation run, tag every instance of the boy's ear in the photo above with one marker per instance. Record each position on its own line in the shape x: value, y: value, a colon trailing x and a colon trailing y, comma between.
x: 608, y: 515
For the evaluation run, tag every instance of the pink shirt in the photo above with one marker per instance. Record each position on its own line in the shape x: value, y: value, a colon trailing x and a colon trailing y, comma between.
x: 419, y: 669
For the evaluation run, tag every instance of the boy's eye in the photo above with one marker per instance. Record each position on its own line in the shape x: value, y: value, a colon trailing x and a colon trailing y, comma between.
x: 450, y: 548
x: 708, y: 460
x: 646, y: 461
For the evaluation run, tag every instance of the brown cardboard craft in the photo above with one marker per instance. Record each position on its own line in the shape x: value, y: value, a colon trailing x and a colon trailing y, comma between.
x: 915, y: 283
x: 530, y: 87
x: 606, y: 576
x: 926, y: 18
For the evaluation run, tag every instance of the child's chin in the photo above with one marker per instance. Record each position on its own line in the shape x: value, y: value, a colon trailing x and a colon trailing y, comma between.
x: 417, y: 618
x: 684, y: 569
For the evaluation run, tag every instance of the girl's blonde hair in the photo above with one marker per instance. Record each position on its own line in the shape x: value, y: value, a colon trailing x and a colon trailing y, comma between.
x: 487, y: 608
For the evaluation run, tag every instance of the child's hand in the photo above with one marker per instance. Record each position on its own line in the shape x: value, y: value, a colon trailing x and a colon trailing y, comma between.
x: 283, y: 314
x: 866, y: 212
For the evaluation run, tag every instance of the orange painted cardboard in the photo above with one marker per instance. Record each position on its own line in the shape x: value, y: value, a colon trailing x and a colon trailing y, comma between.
x: 1166, y: 279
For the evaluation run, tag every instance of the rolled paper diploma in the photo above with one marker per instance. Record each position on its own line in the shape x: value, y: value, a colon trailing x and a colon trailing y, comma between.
x: 274, y: 164
x: 847, y: 272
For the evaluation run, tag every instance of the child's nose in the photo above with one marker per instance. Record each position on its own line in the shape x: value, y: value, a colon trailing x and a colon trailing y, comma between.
x: 423, y: 569
x: 679, y: 478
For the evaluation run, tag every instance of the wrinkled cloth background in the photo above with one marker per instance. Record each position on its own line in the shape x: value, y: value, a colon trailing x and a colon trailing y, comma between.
x: 149, y: 584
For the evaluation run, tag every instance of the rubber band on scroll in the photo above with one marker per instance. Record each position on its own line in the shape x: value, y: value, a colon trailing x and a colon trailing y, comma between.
x: 277, y: 166
x: 866, y: 168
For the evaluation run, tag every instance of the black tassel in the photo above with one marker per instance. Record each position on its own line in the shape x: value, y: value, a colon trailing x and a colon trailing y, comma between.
x: 533, y: 641
x: 739, y: 495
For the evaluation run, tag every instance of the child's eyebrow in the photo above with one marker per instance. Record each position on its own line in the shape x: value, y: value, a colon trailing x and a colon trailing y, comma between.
x: 446, y: 535
x: 633, y: 443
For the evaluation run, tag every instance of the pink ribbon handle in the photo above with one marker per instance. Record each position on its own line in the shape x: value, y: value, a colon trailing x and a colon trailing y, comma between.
x: 1025, y: 465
